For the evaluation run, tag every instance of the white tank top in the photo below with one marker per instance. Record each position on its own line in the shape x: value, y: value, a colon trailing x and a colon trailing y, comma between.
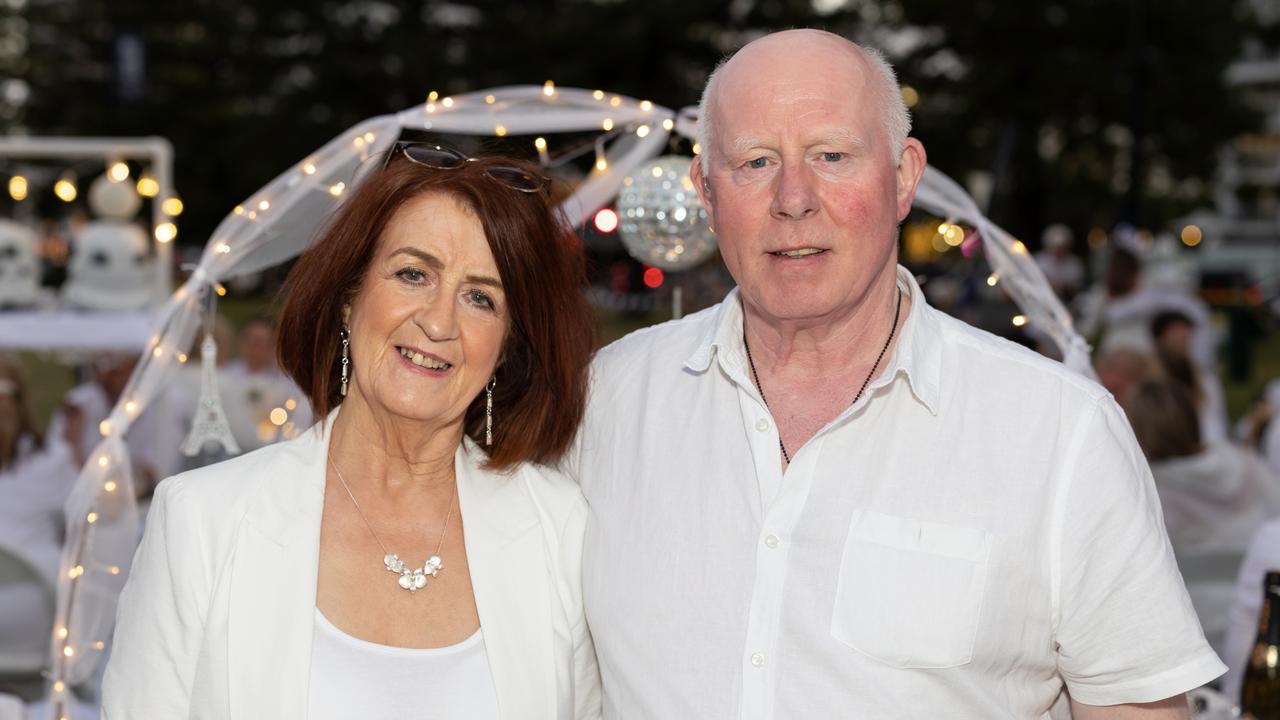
x: 354, y: 678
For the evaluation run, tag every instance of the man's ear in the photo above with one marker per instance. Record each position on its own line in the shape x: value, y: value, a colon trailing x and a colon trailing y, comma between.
x: 911, y: 165
x: 702, y: 184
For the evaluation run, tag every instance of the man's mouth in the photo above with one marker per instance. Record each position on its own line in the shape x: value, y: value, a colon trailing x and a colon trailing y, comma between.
x: 798, y: 252
x: 421, y: 360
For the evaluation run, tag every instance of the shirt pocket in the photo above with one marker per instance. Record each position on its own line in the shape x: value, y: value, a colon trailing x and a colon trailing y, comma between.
x: 910, y: 592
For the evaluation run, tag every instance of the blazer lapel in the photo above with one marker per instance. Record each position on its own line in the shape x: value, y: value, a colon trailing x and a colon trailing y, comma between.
x: 504, y: 548
x: 273, y: 583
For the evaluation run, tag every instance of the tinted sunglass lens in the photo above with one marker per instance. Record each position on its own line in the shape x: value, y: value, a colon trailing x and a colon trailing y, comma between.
x: 516, y: 178
x: 435, y: 156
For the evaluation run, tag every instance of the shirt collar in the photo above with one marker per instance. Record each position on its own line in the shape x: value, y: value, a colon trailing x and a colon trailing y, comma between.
x: 918, y: 354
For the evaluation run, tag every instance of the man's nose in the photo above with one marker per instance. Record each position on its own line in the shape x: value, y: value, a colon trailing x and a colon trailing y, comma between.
x: 794, y: 197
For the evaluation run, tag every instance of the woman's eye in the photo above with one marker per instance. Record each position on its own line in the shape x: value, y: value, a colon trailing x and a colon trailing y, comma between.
x: 478, y: 298
x: 413, y: 275
x: 757, y: 163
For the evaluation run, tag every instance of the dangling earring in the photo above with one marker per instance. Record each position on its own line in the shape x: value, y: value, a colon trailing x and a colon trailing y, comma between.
x: 346, y: 358
x: 488, y: 411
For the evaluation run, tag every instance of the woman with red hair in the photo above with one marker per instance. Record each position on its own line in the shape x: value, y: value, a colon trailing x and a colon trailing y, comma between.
x: 412, y: 552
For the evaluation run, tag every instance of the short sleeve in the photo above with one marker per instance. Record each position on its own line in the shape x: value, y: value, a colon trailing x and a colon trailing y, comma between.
x: 1126, y: 630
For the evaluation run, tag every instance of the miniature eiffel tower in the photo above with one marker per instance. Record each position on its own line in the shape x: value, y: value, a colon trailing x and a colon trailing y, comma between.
x: 210, y: 422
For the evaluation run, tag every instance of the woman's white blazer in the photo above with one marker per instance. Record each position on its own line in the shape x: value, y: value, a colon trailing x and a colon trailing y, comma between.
x: 216, y: 619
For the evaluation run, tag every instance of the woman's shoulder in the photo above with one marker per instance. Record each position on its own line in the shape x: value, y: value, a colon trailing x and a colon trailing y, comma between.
x: 549, y: 490
x: 232, y: 482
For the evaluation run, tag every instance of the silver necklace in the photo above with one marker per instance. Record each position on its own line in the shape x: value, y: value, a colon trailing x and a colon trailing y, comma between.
x: 756, y: 376
x: 411, y: 579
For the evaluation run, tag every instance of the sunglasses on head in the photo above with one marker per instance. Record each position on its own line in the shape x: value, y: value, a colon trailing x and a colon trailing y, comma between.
x: 439, y: 157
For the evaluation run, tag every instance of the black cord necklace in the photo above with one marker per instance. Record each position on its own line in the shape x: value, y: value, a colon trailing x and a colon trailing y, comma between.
x: 756, y: 376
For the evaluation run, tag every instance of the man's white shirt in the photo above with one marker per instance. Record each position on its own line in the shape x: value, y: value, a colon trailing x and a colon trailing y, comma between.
x: 974, y: 537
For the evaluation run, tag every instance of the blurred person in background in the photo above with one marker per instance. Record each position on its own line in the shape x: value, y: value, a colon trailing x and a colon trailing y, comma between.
x: 1263, y: 556
x: 153, y: 437
x: 253, y: 388
x: 1172, y: 332
x: 1214, y: 495
x: 1119, y: 369
x: 36, y: 475
x: 1061, y: 267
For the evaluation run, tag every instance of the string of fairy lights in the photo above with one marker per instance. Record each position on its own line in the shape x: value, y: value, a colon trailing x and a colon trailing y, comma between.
x: 277, y: 223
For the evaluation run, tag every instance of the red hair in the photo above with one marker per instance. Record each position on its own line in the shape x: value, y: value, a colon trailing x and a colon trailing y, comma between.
x: 542, y: 377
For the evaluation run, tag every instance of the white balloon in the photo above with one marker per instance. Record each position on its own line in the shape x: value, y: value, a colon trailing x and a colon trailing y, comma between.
x: 113, y: 200
x: 661, y: 218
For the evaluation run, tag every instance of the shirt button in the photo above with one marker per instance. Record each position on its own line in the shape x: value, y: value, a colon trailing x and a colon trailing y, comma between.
x: 762, y: 424
x: 771, y: 541
x: 757, y: 659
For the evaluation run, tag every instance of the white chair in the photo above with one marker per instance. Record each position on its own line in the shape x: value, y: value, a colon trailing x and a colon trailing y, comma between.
x: 22, y: 665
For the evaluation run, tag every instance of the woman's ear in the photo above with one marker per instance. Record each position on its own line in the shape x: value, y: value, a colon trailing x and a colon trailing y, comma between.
x: 346, y: 314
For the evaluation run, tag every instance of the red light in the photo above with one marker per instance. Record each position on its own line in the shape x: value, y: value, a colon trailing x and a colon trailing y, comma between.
x: 653, y: 277
x: 606, y: 220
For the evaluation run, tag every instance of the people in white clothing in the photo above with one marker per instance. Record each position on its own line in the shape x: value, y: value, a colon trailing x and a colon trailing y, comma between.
x: 36, y: 474
x: 1214, y: 495
x: 262, y: 404
x: 824, y: 498
x: 1061, y: 267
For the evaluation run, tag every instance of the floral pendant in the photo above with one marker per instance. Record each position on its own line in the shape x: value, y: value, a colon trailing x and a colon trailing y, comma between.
x: 415, y: 579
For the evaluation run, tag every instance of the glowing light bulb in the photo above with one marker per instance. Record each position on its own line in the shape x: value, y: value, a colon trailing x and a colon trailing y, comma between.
x: 548, y: 88
x: 597, y: 94
x: 642, y: 131
x: 118, y: 172
x: 147, y: 186
x: 309, y: 169
x: 18, y: 187
x: 489, y: 99
x: 540, y: 143
x: 166, y: 232
x: 65, y: 190
x: 607, y: 124
x: 993, y: 278
x: 110, y: 486
x: 1019, y: 320
x: 91, y: 518
x: 447, y: 102
x: 668, y: 124
x: 645, y: 105
x: 500, y: 131
x: 279, y: 417
x: 264, y: 205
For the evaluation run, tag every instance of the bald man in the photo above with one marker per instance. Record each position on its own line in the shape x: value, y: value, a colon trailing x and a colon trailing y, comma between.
x: 822, y: 498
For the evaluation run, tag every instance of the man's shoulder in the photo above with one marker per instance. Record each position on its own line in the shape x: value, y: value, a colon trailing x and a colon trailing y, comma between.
x: 1004, y: 363
x: 672, y: 343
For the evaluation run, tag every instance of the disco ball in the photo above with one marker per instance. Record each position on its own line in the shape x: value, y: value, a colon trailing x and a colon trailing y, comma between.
x: 663, y: 223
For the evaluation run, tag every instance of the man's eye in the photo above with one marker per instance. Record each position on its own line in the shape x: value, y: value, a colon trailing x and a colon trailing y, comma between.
x: 413, y: 275
x: 833, y: 156
x: 757, y: 163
